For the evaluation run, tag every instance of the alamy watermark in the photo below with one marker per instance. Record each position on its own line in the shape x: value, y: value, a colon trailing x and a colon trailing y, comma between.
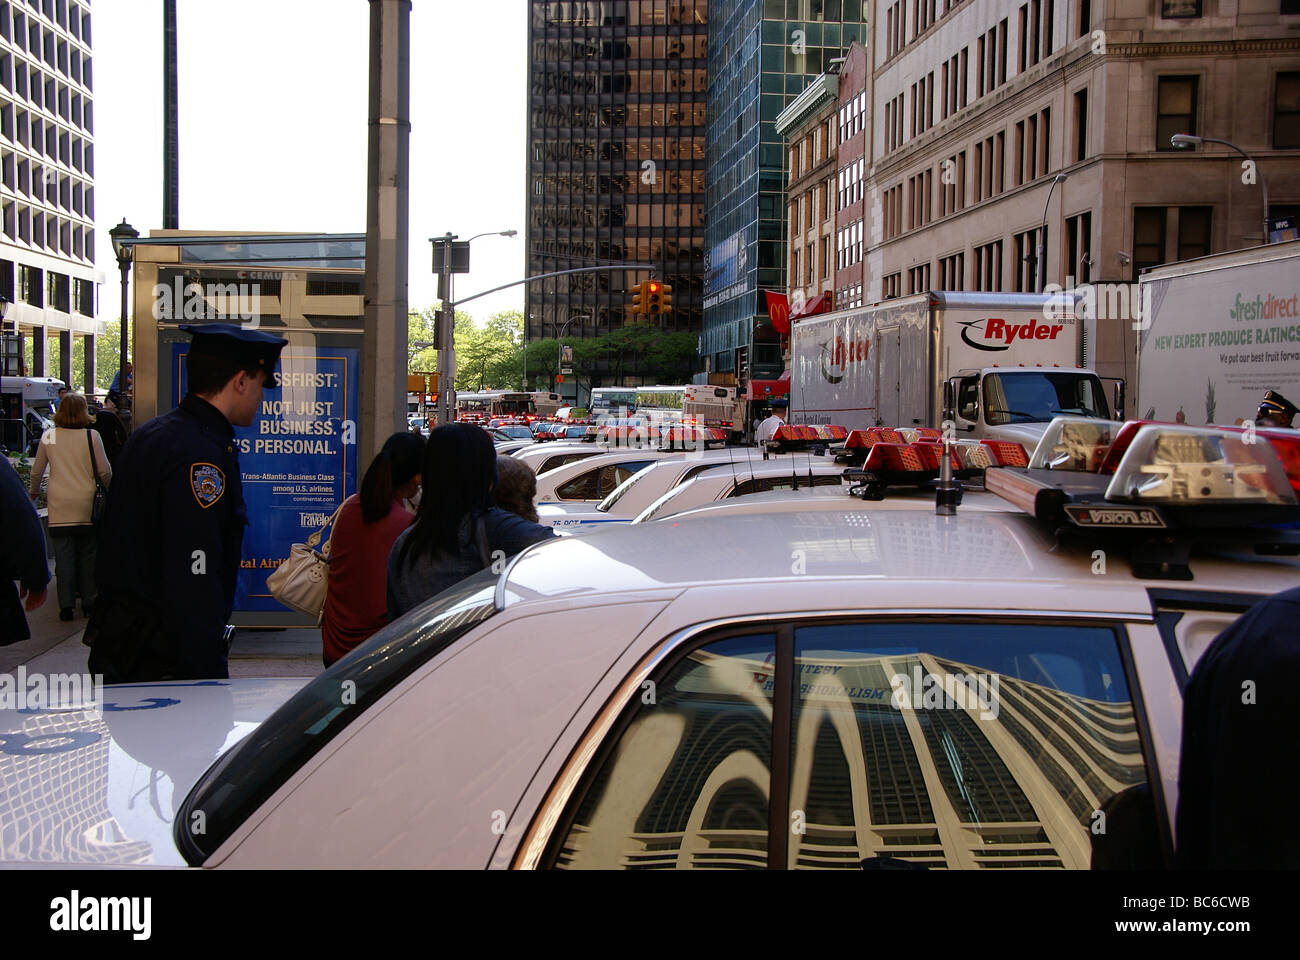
x: 182, y: 300
x: 28, y: 692
x: 922, y: 690
x: 1099, y: 301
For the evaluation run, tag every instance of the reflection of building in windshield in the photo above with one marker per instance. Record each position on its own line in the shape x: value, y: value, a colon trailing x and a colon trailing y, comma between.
x: 54, y: 805
x: 947, y: 787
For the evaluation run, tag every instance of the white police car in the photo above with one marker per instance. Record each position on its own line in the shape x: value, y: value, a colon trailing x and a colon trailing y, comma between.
x: 983, y: 690
x: 594, y: 478
x: 743, y: 479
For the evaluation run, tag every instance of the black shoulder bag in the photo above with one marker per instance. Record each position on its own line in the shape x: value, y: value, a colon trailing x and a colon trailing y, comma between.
x: 101, y: 493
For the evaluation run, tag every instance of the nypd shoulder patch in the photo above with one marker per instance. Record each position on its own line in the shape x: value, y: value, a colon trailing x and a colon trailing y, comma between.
x: 207, y: 482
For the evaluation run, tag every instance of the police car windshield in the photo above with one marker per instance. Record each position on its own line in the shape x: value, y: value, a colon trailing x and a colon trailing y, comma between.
x: 1035, y: 396
x: 242, y: 779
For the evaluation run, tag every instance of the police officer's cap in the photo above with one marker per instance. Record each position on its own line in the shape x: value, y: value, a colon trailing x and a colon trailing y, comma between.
x: 1275, y: 404
x: 255, y: 347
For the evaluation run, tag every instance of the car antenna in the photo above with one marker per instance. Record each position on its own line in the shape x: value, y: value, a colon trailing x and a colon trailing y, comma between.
x: 948, y: 494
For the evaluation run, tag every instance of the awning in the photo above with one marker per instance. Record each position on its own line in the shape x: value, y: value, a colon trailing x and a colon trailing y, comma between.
x: 769, y: 389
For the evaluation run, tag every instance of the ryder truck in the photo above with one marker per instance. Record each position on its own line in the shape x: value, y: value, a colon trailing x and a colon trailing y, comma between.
x: 1222, y: 330
x: 1000, y: 366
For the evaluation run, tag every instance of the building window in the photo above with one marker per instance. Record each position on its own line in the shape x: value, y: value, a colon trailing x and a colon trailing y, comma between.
x: 892, y: 286
x: 988, y: 266
x: 1080, y: 124
x: 1286, y: 111
x: 1148, y: 238
x: 952, y: 272
x: 1026, y: 248
x: 1175, y: 109
x: 1085, y: 17
x: 1078, y: 231
x: 29, y: 285
x: 1180, y: 9
x: 918, y: 279
x: 1194, y: 232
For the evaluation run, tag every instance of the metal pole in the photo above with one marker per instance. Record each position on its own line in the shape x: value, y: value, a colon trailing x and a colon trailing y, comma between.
x: 446, y: 338
x: 121, y: 364
x: 383, y: 365
x: 171, y: 131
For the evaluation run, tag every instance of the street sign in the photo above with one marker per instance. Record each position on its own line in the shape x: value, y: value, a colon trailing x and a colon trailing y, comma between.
x: 459, y: 256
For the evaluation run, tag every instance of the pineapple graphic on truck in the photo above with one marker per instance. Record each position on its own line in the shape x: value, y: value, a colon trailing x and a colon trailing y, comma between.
x: 999, y: 366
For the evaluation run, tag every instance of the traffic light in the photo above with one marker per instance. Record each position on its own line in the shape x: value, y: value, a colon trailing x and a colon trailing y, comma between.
x: 639, y: 298
x: 653, y: 297
x: 666, y: 299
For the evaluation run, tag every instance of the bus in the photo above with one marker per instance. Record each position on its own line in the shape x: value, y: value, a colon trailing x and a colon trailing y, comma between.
x: 495, y: 403
x: 612, y: 401
x: 546, y: 404
x: 703, y: 405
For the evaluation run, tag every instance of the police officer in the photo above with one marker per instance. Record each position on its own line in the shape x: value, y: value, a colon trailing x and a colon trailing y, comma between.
x: 1237, y: 780
x: 1275, y: 410
x: 173, y: 527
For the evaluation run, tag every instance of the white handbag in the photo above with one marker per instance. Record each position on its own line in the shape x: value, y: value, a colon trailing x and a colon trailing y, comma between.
x: 301, y: 581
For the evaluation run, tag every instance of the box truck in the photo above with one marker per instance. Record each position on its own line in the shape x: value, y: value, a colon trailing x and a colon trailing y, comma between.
x: 1220, y: 331
x: 1000, y: 366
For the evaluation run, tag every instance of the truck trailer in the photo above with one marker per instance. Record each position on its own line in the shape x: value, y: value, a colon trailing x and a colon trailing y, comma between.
x: 999, y: 366
x: 1220, y: 331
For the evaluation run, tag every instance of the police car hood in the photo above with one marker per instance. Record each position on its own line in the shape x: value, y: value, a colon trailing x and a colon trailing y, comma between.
x: 98, y: 783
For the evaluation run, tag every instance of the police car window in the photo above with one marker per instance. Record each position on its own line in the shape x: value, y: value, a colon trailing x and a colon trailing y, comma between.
x: 560, y: 460
x: 686, y: 783
x: 585, y: 486
x: 959, y: 745
x: 242, y: 779
x: 620, y: 491
x: 614, y: 474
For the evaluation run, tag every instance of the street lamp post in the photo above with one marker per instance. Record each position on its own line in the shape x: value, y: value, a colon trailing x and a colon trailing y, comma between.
x: 1042, y: 234
x: 446, y: 327
x: 1185, y: 140
x: 122, y: 236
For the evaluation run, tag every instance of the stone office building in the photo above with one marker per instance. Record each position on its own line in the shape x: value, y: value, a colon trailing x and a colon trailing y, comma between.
x: 995, y: 124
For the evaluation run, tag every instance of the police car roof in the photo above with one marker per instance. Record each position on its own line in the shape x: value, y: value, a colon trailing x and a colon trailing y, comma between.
x: 831, y: 499
x: 940, y: 556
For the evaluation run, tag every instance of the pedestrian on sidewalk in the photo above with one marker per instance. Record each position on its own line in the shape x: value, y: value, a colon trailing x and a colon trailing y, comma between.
x: 74, y: 455
x: 457, y: 530
x: 170, y: 540
x: 356, y: 604
x: 22, y: 557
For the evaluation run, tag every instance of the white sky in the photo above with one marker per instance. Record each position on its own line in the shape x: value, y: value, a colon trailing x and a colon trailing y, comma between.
x: 273, y: 109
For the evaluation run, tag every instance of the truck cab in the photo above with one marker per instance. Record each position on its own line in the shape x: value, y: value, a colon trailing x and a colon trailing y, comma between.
x: 1017, y: 403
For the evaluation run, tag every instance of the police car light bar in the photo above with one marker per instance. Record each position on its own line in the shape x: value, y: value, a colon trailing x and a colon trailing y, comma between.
x: 1175, y: 486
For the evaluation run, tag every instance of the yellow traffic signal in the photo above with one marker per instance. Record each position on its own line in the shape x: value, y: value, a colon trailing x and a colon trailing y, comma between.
x: 653, y: 297
x: 666, y: 299
x: 639, y: 298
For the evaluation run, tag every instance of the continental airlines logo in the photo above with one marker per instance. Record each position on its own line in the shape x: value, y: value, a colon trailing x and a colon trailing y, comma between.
x: 837, y: 355
x: 999, y: 334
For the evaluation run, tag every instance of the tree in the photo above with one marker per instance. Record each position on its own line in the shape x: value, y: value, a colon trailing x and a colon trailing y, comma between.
x: 419, y: 327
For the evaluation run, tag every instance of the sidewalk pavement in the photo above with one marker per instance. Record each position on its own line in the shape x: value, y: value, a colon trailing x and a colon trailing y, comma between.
x: 56, y: 647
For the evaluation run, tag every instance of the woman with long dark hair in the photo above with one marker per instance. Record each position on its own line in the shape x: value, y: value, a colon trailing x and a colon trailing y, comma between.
x: 457, y: 529
x: 370, y: 521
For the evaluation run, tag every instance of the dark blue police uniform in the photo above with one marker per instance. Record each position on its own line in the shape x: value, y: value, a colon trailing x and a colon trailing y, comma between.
x: 1237, y: 775
x: 170, y: 541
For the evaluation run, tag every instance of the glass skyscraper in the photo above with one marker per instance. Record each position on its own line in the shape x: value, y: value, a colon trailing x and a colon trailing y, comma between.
x: 615, y: 160
x: 761, y: 56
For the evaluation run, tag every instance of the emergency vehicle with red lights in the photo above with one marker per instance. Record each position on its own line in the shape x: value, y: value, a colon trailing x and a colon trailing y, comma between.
x: 999, y: 366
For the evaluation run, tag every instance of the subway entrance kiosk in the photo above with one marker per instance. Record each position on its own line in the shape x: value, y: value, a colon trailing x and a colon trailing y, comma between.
x: 298, y: 458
